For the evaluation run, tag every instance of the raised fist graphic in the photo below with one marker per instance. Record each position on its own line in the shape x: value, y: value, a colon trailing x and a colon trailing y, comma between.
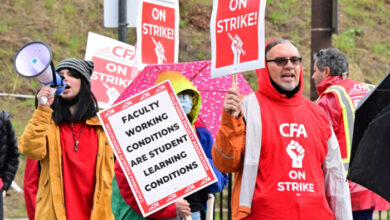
x: 236, y: 47
x: 296, y: 152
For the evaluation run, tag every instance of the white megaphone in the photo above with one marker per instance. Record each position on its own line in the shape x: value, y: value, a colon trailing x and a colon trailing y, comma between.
x: 34, y: 60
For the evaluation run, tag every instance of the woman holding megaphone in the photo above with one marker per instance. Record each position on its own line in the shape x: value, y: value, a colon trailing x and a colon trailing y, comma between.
x: 77, y: 163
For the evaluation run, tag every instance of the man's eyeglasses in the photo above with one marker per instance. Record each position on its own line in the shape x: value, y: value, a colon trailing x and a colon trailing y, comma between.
x: 282, y: 61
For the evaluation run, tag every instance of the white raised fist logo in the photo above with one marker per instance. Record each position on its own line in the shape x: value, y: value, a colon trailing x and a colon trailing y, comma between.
x: 112, y: 93
x: 296, y: 152
x: 236, y: 47
x: 160, y: 51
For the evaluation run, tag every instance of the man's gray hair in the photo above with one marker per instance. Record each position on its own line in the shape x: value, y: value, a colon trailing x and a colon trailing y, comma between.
x: 334, y: 59
x: 276, y: 42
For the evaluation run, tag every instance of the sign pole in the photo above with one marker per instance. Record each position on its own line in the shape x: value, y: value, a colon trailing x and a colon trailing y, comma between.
x: 235, y: 81
x: 122, y: 20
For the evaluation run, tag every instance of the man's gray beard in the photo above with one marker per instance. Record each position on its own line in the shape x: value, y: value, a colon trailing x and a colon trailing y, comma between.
x: 288, y: 86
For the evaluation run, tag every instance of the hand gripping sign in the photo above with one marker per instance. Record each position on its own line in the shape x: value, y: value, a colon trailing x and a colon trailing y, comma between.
x: 115, y: 67
x: 157, y: 148
x: 237, y: 36
x: 158, y: 31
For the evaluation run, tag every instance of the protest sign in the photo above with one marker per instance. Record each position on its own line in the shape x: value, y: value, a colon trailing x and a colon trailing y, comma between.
x: 115, y: 67
x: 157, y: 148
x: 237, y: 36
x: 158, y: 31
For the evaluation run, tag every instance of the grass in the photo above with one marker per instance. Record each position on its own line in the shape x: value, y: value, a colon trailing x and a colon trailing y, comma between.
x: 49, y: 4
x: 202, y: 2
x: 283, y: 11
x: 381, y: 48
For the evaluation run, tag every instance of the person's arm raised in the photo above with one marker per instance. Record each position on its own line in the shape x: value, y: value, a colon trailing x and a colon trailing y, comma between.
x: 232, y: 103
x: 229, y: 146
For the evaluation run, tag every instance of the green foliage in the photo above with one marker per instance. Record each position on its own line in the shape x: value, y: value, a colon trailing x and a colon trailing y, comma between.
x: 201, y: 55
x: 353, y: 11
x: 19, y: 3
x: 202, y: 2
x: 29, y: 102
x: 59, y: 36
x: 251, y: 77
x: 74, y: 44
x: 381, y: 48
x: 282, y: 10
x: 69, y: 9
x: 380, y: 4
x: 49, y: 4
x: 35, y: 84
x: 183, y: 23
x: 346, y: 40
x: 197, y: 40
x: 3, y: 28
x: 279, y: 17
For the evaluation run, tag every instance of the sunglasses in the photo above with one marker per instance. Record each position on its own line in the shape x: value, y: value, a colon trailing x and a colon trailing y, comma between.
x: 282, y: 61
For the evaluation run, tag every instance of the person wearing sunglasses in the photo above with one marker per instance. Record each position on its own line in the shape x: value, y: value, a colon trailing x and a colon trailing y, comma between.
x: 339, y: 96
x: 281, y: 147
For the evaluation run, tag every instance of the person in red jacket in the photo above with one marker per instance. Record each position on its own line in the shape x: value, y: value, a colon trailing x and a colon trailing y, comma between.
x: 30, y: 186
x: 281, y: 147
x: 339, y: 97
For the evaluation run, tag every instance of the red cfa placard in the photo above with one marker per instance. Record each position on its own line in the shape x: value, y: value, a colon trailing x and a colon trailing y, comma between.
x: 241, y: 20
x: 159, y: 33
x: 237, y: 36
x: 110, y: 79
x: 134, y: 121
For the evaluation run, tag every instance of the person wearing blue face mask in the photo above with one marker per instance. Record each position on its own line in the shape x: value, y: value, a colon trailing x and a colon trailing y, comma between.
x: 186, y: 102
x: 194, y: 204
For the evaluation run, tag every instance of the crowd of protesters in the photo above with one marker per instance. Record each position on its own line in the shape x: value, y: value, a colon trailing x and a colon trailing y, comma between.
x: 289, y: 155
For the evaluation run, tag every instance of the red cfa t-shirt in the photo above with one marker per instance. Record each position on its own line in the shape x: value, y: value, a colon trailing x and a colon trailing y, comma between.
x: 78, y: 167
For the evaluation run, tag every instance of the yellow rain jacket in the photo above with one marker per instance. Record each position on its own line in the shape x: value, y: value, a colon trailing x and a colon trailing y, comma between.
x: 41, y: 141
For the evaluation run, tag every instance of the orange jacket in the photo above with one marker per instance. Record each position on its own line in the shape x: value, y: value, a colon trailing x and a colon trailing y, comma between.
x: 232, y: 162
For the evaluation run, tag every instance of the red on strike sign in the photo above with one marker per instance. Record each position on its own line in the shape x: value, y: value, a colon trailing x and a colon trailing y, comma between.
x: 115, y: 67
x: 158, y: 31
x: 110, y: 79
x: 237, y: 36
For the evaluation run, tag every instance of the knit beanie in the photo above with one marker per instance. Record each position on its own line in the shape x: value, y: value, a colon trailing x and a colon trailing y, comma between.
x: 84, y: 67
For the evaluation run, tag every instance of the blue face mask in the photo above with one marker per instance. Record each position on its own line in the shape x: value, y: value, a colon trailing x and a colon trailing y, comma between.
x: 185, y: 102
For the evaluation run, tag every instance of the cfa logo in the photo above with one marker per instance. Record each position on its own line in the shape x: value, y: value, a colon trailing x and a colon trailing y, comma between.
x: 292, y: 130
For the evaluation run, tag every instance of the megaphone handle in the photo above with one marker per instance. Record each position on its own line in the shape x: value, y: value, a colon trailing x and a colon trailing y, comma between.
x: 43, y: 99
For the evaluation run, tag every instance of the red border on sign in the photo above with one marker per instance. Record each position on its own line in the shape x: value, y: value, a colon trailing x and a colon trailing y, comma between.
x: 150, y: 208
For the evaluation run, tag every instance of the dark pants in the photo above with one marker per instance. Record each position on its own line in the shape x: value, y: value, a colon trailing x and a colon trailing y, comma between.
x: 1, y: 205
x: 363, y: 214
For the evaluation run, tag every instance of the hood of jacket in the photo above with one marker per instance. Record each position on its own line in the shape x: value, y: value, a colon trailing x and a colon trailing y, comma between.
x: 328, y: 81
x: 266, y: 88
x: 4, y: 115
x: 181, y: 83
